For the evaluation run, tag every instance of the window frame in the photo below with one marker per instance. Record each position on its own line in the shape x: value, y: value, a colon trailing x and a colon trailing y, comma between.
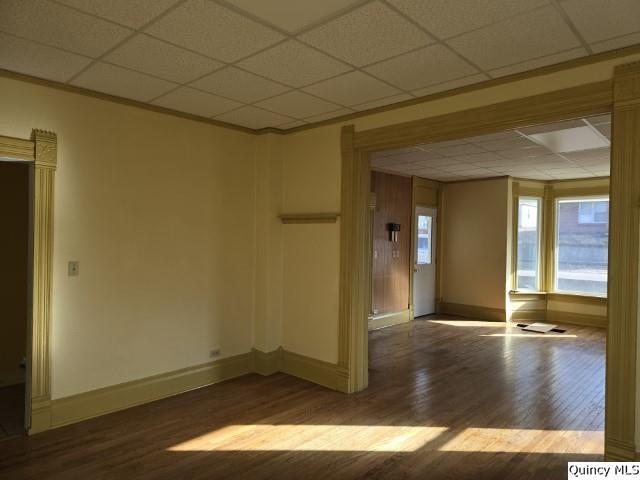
x: 554, y: 241
x: 539, y: 239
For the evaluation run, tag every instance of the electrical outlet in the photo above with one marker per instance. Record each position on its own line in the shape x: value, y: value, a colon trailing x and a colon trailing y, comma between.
x: 215, y: 353
x: 73, y: 269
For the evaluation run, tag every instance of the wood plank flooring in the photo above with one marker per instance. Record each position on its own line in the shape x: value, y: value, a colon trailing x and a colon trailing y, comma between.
x: 448, y: 399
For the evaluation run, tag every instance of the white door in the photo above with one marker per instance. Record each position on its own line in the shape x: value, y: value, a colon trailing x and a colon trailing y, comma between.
x: 424, y: 271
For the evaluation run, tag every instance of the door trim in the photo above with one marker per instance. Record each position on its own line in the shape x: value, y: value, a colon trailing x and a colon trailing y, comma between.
x: 40, y: 151
x: 585, y: 100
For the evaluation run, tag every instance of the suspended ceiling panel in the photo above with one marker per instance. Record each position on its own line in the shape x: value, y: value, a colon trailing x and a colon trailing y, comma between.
x: 557, y: 151
x: 286, y: 63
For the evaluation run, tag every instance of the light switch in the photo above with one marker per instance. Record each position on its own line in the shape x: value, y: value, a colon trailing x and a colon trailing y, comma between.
x: 73, y: 269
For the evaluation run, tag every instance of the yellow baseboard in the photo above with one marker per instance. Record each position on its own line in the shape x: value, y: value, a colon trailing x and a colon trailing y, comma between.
x: 529, y: 315
x: 83, y: 406
x: 617, y: 451
x: 389, y: 319
x: 91, y: 404
x: 581, y: 319
x: 316, y: 371
x: 267, y: 363
x: 472, y: 311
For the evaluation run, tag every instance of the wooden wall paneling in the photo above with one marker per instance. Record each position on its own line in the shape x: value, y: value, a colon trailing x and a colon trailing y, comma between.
x: 391, y: 273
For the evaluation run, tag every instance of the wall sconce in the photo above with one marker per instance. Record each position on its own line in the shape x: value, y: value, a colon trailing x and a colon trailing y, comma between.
x: 393, y: 228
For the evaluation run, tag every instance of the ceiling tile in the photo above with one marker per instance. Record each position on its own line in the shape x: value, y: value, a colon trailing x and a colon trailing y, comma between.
x: 615, y: 43
x: 446, y: 18
x: 297, y: 105
x: 252, y: 117
x: 60, y: 26
x: 328, y: 115
x: 552, y: 127
x: 155, y: 57
x: 293, y: 124
x: 456, y: 150
x: 240, y: 85
x: 531, y: 35
x: 600, y: 119
x: 24, y: 56
x: 132, y: 13
x: 506, y: 144
x: 598, y: 20
x: 193, y: 101
x: 295, y: 64
x: 539, y: 62
x: 604, y: 130
x: 292, y: 15
x: 453, y: 84
x: 213, y: 30
x: 427, y: 66
x: 351, y: 89
x: 517, y: 153
x: 368, y: 34
x: 505, y: 135
x: 106, y: 78
x: 383, y: 102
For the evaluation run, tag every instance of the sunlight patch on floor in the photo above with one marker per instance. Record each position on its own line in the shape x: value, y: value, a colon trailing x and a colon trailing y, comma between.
x: 341, y: 438
x: 364, y: 438
x: 526, y: 440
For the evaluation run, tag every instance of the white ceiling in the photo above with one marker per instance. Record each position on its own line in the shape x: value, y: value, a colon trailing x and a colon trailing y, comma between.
x: 285, y: 63
x: 513, y: 152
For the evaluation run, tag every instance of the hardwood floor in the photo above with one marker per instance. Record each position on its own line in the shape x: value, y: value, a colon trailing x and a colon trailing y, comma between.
x: 447, y: 399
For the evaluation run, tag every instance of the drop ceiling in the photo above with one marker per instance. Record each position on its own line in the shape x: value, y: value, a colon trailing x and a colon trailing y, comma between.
x: 558, y: 151
x: 286, y: 63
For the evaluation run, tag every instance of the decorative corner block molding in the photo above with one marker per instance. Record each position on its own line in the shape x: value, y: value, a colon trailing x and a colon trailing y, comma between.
x: 308, y: 217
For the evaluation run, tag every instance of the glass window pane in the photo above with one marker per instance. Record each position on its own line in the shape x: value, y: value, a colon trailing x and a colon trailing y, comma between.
x: 423, y: 245
x: 582, y: 245
x: 528, y: 243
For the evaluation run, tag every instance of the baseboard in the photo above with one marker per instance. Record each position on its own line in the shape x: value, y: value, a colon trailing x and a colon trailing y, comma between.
x: 316, y: 371
x: 529, y: 315
x: 389, y: 319
x: 472, y: 311
x: 618, y: 451
x: 267, y: 363
x: 118, y: 397
x: 581, y: 319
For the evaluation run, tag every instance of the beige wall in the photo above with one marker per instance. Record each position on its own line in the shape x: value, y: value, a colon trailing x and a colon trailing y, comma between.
x: 474, y: 231
x: 160, y: 212
x: 311, y: 162
x: 14, y: 259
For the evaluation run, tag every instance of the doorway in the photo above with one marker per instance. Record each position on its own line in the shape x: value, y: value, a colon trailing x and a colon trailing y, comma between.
x: 15, y: 292
x: 424, y: 270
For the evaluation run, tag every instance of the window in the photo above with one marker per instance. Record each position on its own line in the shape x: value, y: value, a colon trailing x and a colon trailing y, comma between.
x: 528, y: 243
x: 423, y: 253
x: 582, y: 244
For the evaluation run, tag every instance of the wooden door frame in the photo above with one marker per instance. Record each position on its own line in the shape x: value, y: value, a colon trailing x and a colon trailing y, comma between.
x: 40, y: 152
x: 620, y: 97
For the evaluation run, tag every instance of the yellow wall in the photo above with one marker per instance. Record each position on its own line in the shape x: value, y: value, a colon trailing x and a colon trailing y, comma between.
x: 14, y: 260
x: 160, y: 213
x: 474, y: 232
x: 311, y: 252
